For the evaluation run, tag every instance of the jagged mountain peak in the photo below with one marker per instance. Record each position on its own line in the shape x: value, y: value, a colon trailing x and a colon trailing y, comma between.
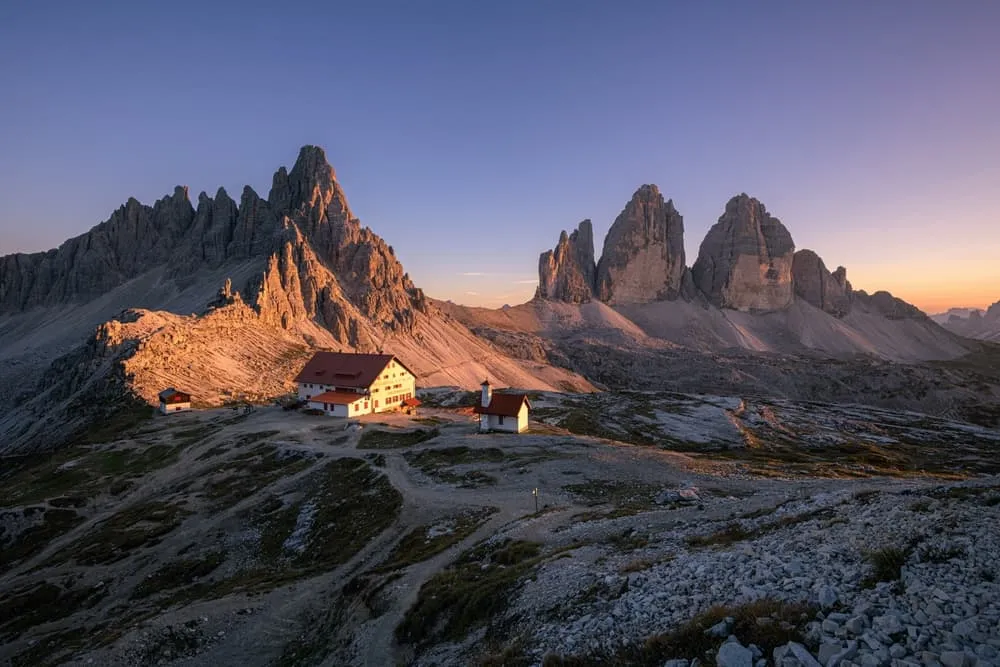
x: 643, y: 255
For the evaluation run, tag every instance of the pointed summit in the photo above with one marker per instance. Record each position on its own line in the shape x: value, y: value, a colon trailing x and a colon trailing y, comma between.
x: 643, y: 257
x: 745, y: 261
x: 566, y: 273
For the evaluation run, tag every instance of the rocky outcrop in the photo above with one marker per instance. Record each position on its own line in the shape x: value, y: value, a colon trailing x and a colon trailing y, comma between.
x: 307, y: 242
x: 135, y: 238
x: 816, y: 285
x: 887, y: 305
x: 745, y: 261
x: 567, y: 272
x: 643, y: 256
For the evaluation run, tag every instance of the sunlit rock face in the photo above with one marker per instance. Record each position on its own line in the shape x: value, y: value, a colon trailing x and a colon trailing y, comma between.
x: 643, y: 256
x: 566, y: 273
x: 745, y: 261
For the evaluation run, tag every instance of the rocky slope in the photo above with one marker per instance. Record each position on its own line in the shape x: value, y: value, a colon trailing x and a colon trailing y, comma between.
x: 300, y: 272
x: 274, y: 538
x: 973, y: 323
x: 745, y: 261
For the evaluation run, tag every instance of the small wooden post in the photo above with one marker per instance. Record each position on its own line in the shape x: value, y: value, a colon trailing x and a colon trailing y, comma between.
x: 534, y: 492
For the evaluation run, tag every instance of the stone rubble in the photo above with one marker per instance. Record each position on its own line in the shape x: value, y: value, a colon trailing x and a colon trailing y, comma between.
x: 944, y: 609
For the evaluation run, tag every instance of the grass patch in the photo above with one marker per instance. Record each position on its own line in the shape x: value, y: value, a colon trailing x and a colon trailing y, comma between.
x: 886, y: 565
x: 83, y: 472
x: 55, y: 522
x: 469, y: 594
x: 178, y: 574
x: 768, y: 623
x: 734, y: 531
x: 938, y: 555
x: 346, y: 504
x: 436, y: 463
x: 118, y: 423
x: 627, y: 497
x: 430, y: 421
x: 36, y: 604
x: 429, y: 540
x: 382, y: 439
x: 241, y: 476
x: 123, y: 533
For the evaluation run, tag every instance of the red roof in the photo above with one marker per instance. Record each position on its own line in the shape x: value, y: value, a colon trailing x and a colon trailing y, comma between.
x: 346, y: 369
x: 172, y: 395
x: 508, y: 405
x: 338, y: 397
x: 411, y: 402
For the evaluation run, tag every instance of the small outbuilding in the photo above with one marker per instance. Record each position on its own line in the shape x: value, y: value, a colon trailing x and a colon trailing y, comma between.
x: 172, y: 400
x: 341, y: 403
x: 502, y: 411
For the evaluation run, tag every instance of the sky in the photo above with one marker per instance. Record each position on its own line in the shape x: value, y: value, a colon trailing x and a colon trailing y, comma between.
x: 469, y: 134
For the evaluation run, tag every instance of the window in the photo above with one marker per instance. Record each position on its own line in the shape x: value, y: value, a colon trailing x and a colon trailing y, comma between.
x: 500, y: 420
x: 376, y: 402
x: 366, y: 405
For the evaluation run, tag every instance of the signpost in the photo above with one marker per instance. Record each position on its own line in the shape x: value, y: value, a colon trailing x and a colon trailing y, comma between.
x: 534, y: 492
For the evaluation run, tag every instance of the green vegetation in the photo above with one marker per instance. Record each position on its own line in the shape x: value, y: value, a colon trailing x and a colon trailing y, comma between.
x: 178, y: 573
x: 436, y: 463
x: 471, y: 593
x: 768, y: 623
x: 382, y: 439
x: 887, y: 565
x: 35, y: 604
x: 730, y: 534
x: 429, y: 540
x: 734, y: 532
x: 123, y: 533
x: 55, y: 522
x: 118, y: 423
x: 346, y: 504
x: 245, y: 474
x: 83, y: 472
x: 627, y: 498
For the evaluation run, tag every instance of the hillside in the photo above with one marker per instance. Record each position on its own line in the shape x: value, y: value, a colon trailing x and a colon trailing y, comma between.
x: 973, y: 323
x: 225, y: 301
x: 278, y: 538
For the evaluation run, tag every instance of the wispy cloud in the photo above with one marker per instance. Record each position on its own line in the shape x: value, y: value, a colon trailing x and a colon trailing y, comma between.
x: 473, y: 293
x: 526, y: 282
x: 472, y: 273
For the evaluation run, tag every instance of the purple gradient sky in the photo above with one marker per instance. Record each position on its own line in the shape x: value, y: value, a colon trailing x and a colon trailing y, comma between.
x: 470, y: 134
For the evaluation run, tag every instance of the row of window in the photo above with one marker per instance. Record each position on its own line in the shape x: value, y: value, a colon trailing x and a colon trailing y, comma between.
x: 397, y: 398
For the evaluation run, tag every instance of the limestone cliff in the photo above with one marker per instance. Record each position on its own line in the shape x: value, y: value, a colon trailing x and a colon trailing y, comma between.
x: 303, y: 238
x: 566, y: 273
x: 816, y: 285
x: 643, y: 255
x: 745, y: 260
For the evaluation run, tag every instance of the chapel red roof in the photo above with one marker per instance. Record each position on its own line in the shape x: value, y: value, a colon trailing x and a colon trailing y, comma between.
x: 411, y: 402
x: 507, y: 405
x: 338, y: 397
x: 346, y: 369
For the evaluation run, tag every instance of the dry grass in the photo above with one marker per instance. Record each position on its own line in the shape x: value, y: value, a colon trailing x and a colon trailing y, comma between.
x: 471, y: 593
x: 767, y: 623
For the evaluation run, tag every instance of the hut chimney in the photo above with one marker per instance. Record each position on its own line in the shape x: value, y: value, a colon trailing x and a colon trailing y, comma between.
x: 487, y: 393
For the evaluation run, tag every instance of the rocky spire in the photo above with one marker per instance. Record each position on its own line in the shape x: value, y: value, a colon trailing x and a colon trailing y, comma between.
x: 643, y: 256
x: 816, y: 285
x: 567, y: 272
x: 745, y: 261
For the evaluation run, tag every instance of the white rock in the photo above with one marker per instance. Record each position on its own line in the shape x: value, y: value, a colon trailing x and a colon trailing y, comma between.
x: 953, y: 659
x: 734, y: 654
